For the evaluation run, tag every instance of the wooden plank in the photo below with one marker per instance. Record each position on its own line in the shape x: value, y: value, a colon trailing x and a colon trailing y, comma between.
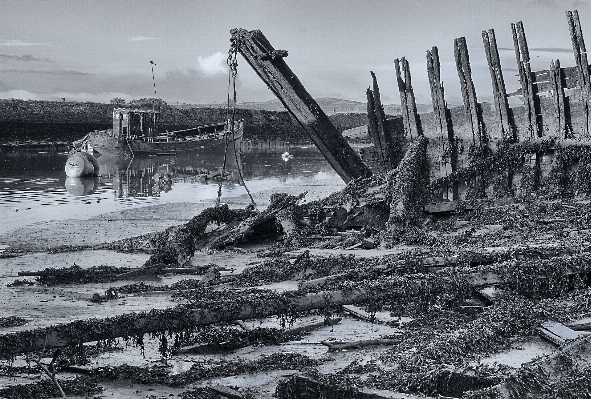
x: 226, y: 392
x: 557, y: 333
x: 441, y: 207
x: 298, y: 387
x: 268, y: 63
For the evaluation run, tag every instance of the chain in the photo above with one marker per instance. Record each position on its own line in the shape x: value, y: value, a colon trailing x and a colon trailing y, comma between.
x: 233, y: 71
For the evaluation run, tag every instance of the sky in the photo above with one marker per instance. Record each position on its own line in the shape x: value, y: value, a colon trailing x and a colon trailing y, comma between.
x: 96, y: 50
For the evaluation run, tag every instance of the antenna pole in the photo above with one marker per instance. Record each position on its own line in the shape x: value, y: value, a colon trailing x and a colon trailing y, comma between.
x: 153, y: 80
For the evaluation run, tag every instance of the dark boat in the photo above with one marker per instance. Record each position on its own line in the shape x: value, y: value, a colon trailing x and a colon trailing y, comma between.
x: 135, y: 132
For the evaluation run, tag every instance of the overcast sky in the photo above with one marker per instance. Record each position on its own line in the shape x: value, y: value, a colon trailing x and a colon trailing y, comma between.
x: 95, y: 50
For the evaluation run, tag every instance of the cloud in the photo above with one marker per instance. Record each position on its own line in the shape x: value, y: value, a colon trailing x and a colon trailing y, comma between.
x: 21, y: 58
x: 140, y: 38
x: 10, y: 43
x: 214, y: 64
x: 45, y: 72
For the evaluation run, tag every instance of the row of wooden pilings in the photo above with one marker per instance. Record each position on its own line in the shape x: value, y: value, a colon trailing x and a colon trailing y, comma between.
x: 539, y: 117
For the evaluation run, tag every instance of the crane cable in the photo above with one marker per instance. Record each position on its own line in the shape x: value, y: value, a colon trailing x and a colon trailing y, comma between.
x: 233, y: 71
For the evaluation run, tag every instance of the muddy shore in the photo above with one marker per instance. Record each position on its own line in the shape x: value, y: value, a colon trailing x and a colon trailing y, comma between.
x: 448, y: 318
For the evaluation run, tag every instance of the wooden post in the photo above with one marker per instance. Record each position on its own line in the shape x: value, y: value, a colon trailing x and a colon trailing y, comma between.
x: 562, y: 128
x: 372, y: 125
x: 508, y: 133
x: 580, y: 52
x: 384, y: 133
x: 442, y: 114
x: 526, y: 78
x: 268, y: 63
x: 410, y: 115
x: 468, y: 90
x: 437, y: 98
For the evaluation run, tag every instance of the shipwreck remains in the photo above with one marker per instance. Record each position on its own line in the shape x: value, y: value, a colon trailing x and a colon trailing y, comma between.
x: 457, y: 284
x: 268, y: 63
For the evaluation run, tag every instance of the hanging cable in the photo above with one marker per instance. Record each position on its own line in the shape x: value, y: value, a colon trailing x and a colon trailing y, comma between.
x: 233, y: 71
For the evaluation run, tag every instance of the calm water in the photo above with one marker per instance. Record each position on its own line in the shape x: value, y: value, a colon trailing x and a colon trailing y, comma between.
x: 34, y: 187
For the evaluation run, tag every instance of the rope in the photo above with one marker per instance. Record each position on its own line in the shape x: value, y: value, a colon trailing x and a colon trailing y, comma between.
x: 233, y: 71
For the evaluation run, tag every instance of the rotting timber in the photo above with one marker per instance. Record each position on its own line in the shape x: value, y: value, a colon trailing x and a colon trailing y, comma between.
x: 500, y: 264
x: 268, y: 63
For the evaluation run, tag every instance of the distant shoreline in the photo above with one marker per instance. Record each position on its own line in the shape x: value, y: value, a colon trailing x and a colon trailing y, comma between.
x: 22, y: 121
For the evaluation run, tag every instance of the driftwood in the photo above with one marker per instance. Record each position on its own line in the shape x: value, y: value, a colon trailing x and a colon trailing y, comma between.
x: 298, y: 387
x: 535, y: 379
x: 226, y: 307
x: 241, y: 341
x: 260, y: 226
x: 226, y: 392
x: 49, y: 370
x: 339, y: 346
x: 557, y: 333
x: 176, y: 245
x: 177, y: 318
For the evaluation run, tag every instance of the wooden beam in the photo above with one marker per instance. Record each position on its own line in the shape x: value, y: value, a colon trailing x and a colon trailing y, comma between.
x: 580, y: 53
x: 268, y: 63
x: 508, y: 133
x: 530, y: 100
x: 468, y: 91
x: 563, y: 129
x: 557, y: 333
x: 410, y: 116
x: 372, y: 125
x: 442, y: 115
x: 300, y: 387
x: 383, y: 131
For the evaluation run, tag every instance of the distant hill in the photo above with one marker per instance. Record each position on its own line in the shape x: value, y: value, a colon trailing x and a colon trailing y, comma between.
x: 329, y: 105
x: 22, y: 120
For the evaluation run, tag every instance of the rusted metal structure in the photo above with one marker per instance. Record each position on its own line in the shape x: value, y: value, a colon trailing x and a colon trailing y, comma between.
x: 268, y: 63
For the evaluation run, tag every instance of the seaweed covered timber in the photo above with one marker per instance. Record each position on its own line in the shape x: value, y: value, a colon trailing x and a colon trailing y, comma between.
x: 458, y: 266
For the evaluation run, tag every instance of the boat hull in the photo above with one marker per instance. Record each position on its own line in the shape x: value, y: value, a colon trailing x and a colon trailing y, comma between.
x: 81, y: 164
x: 106, y: 142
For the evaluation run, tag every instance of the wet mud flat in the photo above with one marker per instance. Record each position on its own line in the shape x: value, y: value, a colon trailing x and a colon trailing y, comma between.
x: 305, y: 298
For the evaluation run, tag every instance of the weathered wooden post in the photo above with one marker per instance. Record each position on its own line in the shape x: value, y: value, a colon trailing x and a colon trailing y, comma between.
x: 392, y: 157
x: 562, y: 128
x: 442, y: 114
x: 372, y: 125
x: 530, y: 100
x: 508, y: 133
x: 410, y: 116
x: 580, y: 52
x: 268, y: 63
x: 468, y: 91
x: 474, y: 115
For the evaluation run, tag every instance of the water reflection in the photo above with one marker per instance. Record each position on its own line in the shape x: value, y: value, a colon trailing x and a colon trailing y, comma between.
x: 151, y: 176
x: 80, y: 186
x: 34, y: 188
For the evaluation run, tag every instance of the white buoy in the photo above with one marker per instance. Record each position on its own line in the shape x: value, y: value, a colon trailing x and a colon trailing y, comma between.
x: 80, y: 164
